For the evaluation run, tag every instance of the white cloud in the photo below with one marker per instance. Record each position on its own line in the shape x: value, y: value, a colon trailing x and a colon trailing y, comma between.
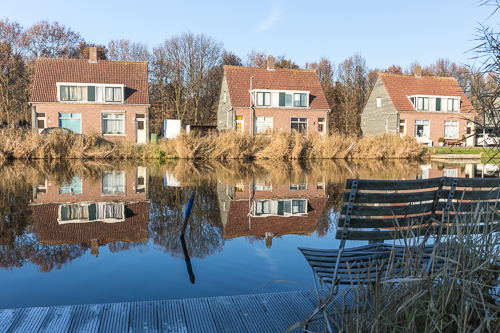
x: 268, y: 22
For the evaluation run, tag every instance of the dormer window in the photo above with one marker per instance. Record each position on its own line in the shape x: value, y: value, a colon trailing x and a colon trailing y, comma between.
x: 435, y: 103
x: 81, y: 92
x: 273, y: 98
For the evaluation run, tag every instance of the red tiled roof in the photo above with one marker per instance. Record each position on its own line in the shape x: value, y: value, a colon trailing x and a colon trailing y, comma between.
x: 238, y: 82
x: 133, y: 229
x: 400, y: 86
x: 133, y: 74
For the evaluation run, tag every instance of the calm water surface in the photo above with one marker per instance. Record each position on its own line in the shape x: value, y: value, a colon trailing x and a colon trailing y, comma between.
x: 95, y: 232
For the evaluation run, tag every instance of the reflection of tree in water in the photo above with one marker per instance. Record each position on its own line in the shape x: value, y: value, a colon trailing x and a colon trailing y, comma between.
x: 18, y: 241
x: 168, y: 204
x: 126, y: 246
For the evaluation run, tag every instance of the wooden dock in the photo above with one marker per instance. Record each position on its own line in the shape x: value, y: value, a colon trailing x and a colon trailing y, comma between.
x: 272, y: 312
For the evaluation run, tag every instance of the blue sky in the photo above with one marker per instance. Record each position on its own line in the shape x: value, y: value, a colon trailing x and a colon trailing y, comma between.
x: 384, y: 32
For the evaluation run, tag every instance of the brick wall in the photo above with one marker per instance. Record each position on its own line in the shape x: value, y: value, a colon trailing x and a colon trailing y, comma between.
x: 436, y: 120
x: 91, y: 116
x: 282, y: 117
x: 92, y: 191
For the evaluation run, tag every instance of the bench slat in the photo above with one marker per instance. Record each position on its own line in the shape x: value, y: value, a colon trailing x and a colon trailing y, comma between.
x: 391, y: 197
x: 366, y: 184
x: 358, y: 222
x: 388, y: 210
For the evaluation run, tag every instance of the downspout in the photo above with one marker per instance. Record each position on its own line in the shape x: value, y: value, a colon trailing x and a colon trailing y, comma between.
x: 387, y: 120
x: 251, y: 118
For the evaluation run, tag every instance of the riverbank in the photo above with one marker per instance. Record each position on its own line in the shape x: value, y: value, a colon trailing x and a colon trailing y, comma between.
x: 27, y: 145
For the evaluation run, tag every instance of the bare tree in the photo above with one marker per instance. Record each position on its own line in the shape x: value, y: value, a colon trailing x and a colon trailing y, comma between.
x: 50, y: 40
x: 352, y: 90
x: 183, y: 66
x: 125, y: 50
x: 256, y: 59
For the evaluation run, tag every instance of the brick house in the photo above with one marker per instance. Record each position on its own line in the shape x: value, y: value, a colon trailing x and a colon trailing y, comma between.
x: 115, y: 208
x: 109, y: 97
x: 265, y: 210
x: 424, y: 107
x: 255, y: 100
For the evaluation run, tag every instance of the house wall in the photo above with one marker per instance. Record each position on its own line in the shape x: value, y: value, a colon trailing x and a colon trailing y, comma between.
x: 436, y: 120
x: 282, y: 117
x: 91, y: 191
x: 91, y: 117
x: 373, y: 118
x: 225, y: 119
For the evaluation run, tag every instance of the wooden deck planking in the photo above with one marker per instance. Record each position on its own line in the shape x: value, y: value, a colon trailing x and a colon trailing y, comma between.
x: 171, y: 317
x: 29, y: 320
x: 115, y: 318
x: 273, y: 312
x: 7, y: 318
x: 199, y: 316
x: 57, y: 320
x: 254, y: 315
x: 144, y: 317
x: 227, y: 316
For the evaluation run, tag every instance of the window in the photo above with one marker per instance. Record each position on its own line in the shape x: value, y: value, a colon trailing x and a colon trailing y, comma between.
x: 423, y: 103
x: 300, y: 100
x: 452, y: 104
x: 71, y: 121
x: 72, y: 187
x: 402, y: 126
x: 321, y: 125
x: 288, y: 99
x: 113, y: 182
x: 422, y: 128
x: 295, y: 206
x: 113, y: 94
x: 113, y: 123
x: 412, y: 100
x: 379, y: 102
x: 68, y: 93
x: 263, y: 99
x: 438, y: 104
x: 299, y: 124
x: 99, y: 94
x: 451, y: 129
x: 263, y: 124
x: 450, y: 173
x: 239, y: 124
x: 224, y: 97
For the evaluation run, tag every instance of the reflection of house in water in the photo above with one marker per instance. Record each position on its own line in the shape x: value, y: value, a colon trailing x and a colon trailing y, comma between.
x: 458, y: 170
x: 111, y: 209
x: 263, y: 209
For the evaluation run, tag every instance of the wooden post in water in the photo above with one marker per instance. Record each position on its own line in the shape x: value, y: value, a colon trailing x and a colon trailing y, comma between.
x: 188, y: 212
x: 183, y: 242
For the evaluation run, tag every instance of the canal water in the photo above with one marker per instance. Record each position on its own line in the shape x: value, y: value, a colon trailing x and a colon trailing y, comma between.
x: 97, y: 232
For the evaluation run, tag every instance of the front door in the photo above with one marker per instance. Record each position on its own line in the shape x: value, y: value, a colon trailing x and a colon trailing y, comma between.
x: 140, y: 120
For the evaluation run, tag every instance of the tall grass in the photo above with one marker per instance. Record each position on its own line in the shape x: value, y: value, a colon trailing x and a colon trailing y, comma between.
x: 27, y: 144
x: 280, y: 145
x: 460, y: 294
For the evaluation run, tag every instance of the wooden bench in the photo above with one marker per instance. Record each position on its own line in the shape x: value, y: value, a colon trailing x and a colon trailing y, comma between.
x: 399, y: 209
x: 453, y: 142
x: 378, y: 210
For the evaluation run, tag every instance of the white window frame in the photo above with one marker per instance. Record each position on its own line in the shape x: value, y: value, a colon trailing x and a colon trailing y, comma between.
x: 124, y: 122
x: 432, y: 103
x: 379, y: 102
x: 421, y: 122
x: 255, y: 124
x: 59, y: 119
x: 242, y: 122
x: 454, y: 123
x: 122, y: 174
x: 59, y: 84
x: 299, y: 121
x: 275, y: 94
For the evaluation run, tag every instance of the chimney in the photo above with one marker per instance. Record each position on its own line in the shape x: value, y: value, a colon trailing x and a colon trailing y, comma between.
x: 269, y: 239
x: 93, y: 54
x: 270, y: 63
x: 94, y: 247
x: 417, y: 71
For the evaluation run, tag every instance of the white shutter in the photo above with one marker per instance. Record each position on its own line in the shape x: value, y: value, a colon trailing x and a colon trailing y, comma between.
x: 444, y: 104
x: 432, y: 104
